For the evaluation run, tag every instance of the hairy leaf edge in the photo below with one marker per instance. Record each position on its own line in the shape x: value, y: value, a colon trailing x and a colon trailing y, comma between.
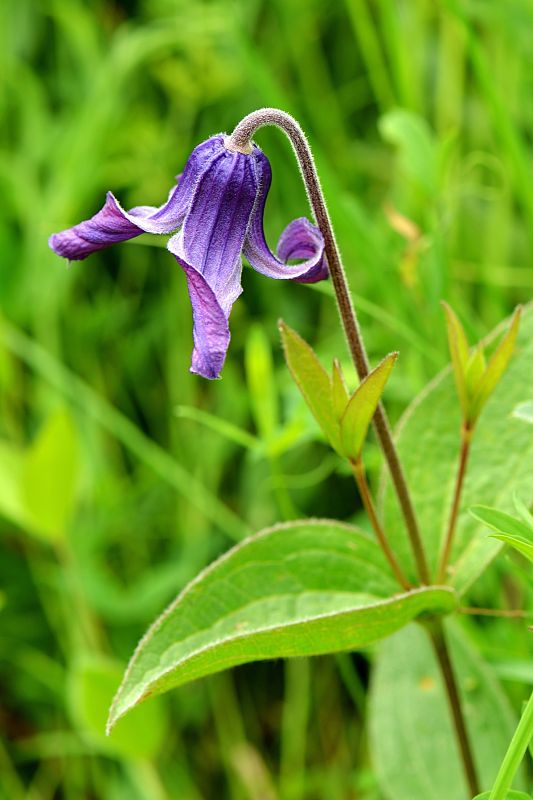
x: 314, y: 521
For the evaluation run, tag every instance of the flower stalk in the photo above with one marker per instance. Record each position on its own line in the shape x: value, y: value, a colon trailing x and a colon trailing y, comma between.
x: 240, y: 141
x: 475, y: 381
x: 359, y: 474
x: 466, y: 439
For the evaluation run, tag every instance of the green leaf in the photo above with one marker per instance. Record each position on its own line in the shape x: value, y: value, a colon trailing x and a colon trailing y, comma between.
x: 49, y: 478
x: 500, y: 465
x: 501, y: 522
x: 523, y: 546
x: 363, y: 403
x: 339, y: 392
x: 458, y: 346
x: 497, y: 365
x: 92, y: 683
x: 411, y: 735
x: 475, y: 369
x: 511, y: 531
x: 313, y: 382
x: 303, y: 588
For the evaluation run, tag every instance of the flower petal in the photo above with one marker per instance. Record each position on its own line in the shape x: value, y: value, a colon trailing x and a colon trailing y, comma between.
x: 113, y: 224
x: 210, y: 324
x: 215, y: 227
x: 300, y: 239
x: 208, y: 249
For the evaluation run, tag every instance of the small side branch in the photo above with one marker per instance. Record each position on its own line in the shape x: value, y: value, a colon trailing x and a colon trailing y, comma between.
x: 366, y: 498
x: 466, y: 438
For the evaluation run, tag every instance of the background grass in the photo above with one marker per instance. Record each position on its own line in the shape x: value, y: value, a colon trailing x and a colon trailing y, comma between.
x: 420, y: 116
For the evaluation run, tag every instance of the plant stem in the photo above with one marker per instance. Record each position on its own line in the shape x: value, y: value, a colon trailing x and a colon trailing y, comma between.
x: 366, y: 497
x: 466, y: 438
x: 240, y: 140
x: 438, y: 640
x: 515, y: 753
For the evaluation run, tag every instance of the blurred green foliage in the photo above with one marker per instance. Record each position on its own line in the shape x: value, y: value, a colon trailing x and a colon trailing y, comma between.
x: 420, y: 117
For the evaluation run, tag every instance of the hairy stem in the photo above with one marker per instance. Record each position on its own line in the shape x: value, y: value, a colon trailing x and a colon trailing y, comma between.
x: 438, y: 640
x: 466, y: 438
x: 514, y: 755
x: 366, y: 497
x: 240, y: 140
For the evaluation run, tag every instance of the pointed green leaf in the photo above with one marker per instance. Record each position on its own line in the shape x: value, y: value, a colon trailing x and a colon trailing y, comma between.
x: 497, y: 365
x: 303, y: 588
x: 362, y: 406
x: 474, y: 371
x: 49, y: 479
x: 511, y: 531
x: 500, y: 521
x: 524, y: 546
x: 339, y: 392
x: 312, y: 380
x: 458, y: 345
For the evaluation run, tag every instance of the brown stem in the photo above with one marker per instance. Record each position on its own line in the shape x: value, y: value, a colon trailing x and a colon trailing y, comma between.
x: 240, y: 140
x: 466, y: 438
x: 438, y: 640
x: 366, y: 497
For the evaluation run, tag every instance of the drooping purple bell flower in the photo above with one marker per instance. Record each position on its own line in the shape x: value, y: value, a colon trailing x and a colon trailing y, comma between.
x: 217, y: 208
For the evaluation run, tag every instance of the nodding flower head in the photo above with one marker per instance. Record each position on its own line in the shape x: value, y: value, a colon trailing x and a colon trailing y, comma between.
x: 216, y: 213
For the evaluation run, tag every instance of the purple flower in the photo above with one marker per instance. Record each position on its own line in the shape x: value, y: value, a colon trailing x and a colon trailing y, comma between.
x: 218, y: 206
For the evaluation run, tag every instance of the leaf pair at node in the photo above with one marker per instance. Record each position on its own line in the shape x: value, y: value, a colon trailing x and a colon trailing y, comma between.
x: 476, y: 378
x: 344, y: 419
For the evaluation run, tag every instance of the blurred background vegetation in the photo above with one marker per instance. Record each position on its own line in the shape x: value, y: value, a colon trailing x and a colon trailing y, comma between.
x: 121, y: 474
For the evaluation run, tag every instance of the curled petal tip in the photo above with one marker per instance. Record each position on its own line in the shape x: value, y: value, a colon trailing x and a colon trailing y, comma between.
x: 300, y: 240
x: 210, y: 324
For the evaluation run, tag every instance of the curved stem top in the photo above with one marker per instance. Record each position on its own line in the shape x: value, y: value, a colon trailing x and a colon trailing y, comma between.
x: 240, y: 140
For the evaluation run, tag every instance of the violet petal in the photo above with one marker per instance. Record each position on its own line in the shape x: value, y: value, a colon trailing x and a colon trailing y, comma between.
x: 215, y: 227
x: 113, y: 224
x: 300, y: 239
x: 210, y: 325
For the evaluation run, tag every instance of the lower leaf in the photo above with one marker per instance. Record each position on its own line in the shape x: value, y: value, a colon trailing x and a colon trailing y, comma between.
x: 300, y: 589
